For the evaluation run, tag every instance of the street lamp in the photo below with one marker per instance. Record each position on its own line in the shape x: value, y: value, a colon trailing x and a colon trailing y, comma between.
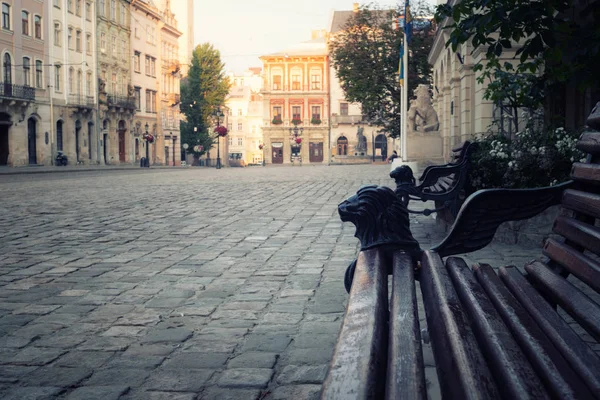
x: 295, y: 134
x: 261, y: 147
x: 218, y: 113
x: 149, y: 139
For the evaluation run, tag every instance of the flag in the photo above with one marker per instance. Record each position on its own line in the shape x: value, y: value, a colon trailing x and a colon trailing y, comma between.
x: 408, y: 22
x: 401, y: 66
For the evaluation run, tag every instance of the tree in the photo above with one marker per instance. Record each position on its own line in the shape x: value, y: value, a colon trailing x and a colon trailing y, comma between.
x: 366, y: 56
x: 557, y: 43
x: 202, y: 92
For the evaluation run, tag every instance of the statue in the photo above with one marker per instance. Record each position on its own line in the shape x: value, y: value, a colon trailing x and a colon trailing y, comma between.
x: 421, y: 115
x: 101, y: 85
x: 361, y: 140
x: 130, y: 90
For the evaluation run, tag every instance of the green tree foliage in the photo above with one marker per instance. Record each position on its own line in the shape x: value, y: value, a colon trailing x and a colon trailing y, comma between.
x: 366, y: 56
x: 556, y: 41
x: 202, y: 92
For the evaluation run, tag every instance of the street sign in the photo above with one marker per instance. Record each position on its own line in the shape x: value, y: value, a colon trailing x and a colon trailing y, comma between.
x: 185, y: 146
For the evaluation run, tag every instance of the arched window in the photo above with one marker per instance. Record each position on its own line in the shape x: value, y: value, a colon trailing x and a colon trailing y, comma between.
x: 71, y: 77
x: 342, y: 146
x: 79, y: 80
x: 7, y: 65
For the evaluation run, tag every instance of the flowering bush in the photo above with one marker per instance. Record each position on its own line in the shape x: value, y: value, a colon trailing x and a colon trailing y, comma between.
x: 277, y: 120
x: 296, y: 121
x: 298, y: 140
x: 221, y: 130
x: 533, y: 158
x: 149, y: 138
x: 315, y: 121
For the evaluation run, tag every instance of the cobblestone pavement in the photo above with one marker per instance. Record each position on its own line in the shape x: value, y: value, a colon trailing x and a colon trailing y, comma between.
x: 179, y: 284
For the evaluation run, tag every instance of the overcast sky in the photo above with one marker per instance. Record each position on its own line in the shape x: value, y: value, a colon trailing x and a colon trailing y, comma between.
x: 243, y: 30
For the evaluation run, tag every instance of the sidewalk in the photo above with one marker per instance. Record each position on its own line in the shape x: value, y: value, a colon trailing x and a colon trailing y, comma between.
x: 45, y: 169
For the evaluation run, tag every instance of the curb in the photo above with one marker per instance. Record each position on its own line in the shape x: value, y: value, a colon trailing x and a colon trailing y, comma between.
x: 59, y: 170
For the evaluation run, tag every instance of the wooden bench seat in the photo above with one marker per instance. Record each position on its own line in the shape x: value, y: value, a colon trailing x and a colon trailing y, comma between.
x: 494, y: 334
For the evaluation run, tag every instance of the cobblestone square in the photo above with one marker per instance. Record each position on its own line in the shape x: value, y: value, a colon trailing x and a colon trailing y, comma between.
x: 181, y: 284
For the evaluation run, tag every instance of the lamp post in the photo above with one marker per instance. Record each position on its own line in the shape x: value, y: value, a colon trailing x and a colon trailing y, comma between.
x: 218, y: 113
x: 149, y: 139
x: 295, y: 134
x: 261, y: 147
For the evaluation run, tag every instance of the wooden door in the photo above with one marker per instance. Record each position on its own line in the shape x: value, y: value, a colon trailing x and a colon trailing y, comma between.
x: 31, y: 140
x: 316, y: 152
x: 277, y: 153
x: 122, y: 146
x: 4, y: 147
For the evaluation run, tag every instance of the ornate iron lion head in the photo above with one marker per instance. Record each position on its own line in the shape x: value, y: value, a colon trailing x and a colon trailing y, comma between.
x: 380, y: 218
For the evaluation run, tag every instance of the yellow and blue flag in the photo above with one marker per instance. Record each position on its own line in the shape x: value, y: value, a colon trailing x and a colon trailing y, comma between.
x: 408, y: 22
x: 401, y: 66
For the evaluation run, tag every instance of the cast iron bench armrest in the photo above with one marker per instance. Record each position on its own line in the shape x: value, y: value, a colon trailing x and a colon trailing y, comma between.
x: 460, y: 154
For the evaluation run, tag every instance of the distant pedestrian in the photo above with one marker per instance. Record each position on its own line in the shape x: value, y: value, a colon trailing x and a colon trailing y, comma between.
x: 391, y: 158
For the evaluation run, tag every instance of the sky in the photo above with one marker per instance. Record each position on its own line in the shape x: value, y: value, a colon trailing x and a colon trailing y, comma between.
x: 243, y: 30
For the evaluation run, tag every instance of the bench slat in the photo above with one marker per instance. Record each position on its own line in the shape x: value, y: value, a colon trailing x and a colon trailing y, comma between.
x: 576, y: 303
x: 406, y: 371
x: 580, y: 356
x: 550, y: 365
x: 589, y: 142
x: 357, y: 370
x: 583, y: 202
x: 513, y: 373
x: 586, y: 172
x: 462, y: 370
x: 575, y: 262
x: 578, y: 232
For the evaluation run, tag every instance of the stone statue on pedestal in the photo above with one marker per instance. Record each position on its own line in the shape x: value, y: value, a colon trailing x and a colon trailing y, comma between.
x: 422, y: 117
x: 361, y: 140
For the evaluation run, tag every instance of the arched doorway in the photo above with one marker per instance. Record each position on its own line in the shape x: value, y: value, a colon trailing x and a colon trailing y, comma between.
x: 90, y: 133
x: 381, y: 146
x: 342, y: 146
x: 77, y: 132
x: 137, y: 149
x: 121, y: 130
x: 105, y: 127
x: 32, y: 140
x: 59, y: 135
x: 277, y: 153
x: 5, y: 125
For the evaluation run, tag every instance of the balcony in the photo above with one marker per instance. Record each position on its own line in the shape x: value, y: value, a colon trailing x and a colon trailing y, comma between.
x: 346, y: 119
x: 17, y: 92
x: 295, y: 88
x: 82, y: 101
x: 121, y: 102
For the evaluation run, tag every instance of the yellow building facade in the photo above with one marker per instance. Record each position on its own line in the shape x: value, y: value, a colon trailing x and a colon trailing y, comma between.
x: 296, y: 104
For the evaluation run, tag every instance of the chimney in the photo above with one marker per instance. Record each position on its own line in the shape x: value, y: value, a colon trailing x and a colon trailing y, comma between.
x: 355, y: 7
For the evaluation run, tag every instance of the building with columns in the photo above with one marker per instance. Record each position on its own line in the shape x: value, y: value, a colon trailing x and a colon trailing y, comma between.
x: 296, y: 98
x: 116, y: 101
x: 24, y: 101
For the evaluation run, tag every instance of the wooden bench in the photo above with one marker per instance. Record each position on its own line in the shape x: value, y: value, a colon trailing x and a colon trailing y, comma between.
x: 493, y: 334
x: 443, y: 184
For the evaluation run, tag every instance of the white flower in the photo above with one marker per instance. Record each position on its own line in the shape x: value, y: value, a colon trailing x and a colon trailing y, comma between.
x: 584, y: 159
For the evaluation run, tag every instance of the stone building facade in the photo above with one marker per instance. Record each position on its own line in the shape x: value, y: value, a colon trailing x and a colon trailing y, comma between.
x: 24, y: 101
x: 296, y: 103
x: 170, y: 75
x: 116, y: 96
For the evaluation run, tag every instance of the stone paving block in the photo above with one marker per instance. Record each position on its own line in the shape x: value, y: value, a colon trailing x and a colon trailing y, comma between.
x: 307, y: 340
x: 34, y: 356
x: 302, y: 374
x: 266, y: 342
x: 86, y: 359
x: 281, y: 318
x: 105, y: 344
x: 304, y: 392
x: 245, y: 378
x: 313, y: 356
x: 135, y: 362
x: 196, y: 360
x: 142, y: 394
x: 253, y: 360
x: 216, y: 393
x: 178, y: 380
x: 56, y: 376
x: 132, y: 377
x: 173, y: 335
x: 32, y: 393
x: 12, y: 373
x: 113, y: 392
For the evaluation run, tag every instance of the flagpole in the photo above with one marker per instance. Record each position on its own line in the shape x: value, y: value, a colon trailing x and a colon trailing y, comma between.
x: 404, y: 102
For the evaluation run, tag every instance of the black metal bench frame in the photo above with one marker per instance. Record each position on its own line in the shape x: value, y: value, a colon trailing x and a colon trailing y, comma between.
x: 443, y: 184
x: 494, y: 335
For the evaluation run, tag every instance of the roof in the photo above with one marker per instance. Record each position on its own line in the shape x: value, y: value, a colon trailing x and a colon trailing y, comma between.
x: 340, y: 19
x: 314, y: 47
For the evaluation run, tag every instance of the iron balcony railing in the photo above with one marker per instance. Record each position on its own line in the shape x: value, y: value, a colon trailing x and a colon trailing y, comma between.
x: 346, y: 119
x: 121, y: 101
x: 17, y: 91
x: 82, y: 100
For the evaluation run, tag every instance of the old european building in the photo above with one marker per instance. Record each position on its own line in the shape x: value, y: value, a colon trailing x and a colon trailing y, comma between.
x: 184, y: 13
x: 245, y: 104
x: 296, y: 103
x: 24, y: 105
x: 116, y: 97
x: 170, y: 76
x: 73, y: 80
x: 347, y: 119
